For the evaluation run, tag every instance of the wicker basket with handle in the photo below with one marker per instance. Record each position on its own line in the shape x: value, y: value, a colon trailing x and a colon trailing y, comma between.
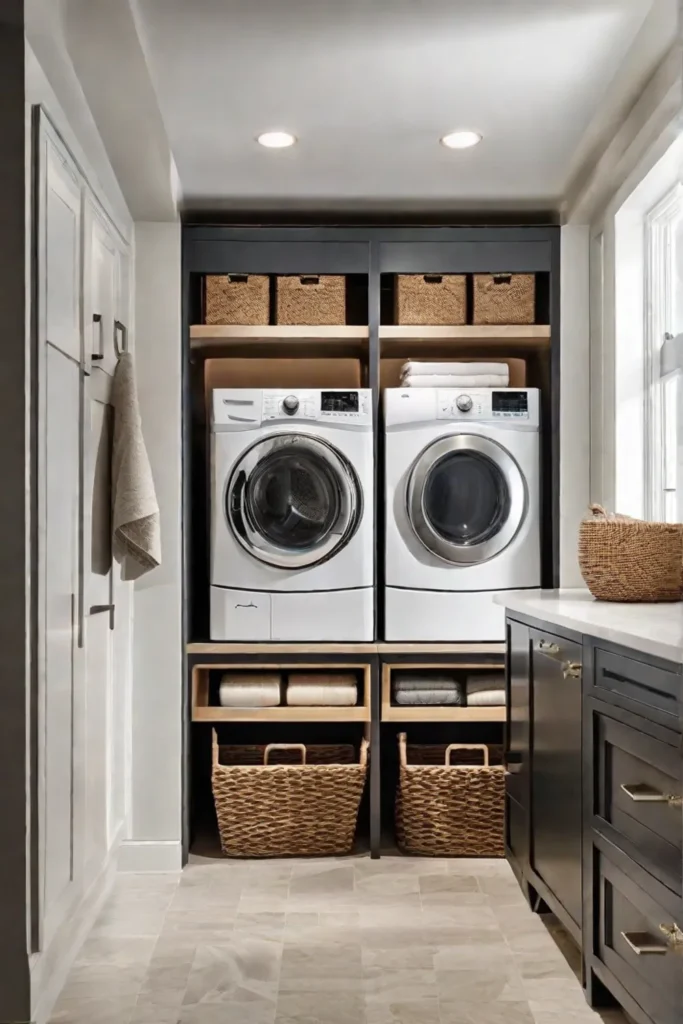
x: 236, y: 299
x: 431, y: 299
x: 624, y: 559
x: 312, y: 300
x: 450, y: 810
x: 306, y: 807
x: 504, y: 298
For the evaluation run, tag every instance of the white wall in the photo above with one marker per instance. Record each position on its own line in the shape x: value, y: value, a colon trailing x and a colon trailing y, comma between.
x: 154, y: 841
x: 574, y: 397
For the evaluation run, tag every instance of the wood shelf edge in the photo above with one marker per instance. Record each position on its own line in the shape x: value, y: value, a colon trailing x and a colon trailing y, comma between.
x: 280, y: 714
x: 380, y: 647
x: 435, y: 714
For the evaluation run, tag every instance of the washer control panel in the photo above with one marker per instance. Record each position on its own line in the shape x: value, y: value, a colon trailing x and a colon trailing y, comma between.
x: 334, y: 405
x: 483, y: 404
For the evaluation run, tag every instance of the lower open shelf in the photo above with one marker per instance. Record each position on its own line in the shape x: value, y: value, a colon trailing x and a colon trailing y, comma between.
x: 281, y: 714
x: 392, y: 713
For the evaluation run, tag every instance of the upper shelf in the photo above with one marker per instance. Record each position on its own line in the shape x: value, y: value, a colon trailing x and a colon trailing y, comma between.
x: 254, y: 340
x: 527, y: 337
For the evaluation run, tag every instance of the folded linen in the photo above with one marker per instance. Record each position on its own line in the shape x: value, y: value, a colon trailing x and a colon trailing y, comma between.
x: 432, y: 682
x: 430, y: 698
x: 486, y: 699
x: 459, y: 367
x: 238, y: 693
x: 311, y: 694
x: 443, y: 380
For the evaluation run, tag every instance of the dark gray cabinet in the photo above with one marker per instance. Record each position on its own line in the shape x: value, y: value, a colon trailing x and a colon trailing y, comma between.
x: 556, y: 665
x: 517, y: 748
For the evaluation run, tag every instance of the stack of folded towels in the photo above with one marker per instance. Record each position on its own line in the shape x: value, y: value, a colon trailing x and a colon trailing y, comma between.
x: 411, y: 688
x: 258, y: 690
x: 322, y: 690
x: 455, y: 375
x: 486, y: 690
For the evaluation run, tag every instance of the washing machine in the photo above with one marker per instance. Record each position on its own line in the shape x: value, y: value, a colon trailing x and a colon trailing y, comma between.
x: 292, y: 515
x: 462, y: 473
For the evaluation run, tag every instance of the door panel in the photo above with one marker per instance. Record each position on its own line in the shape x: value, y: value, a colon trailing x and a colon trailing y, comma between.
x: 62, y: 226
x: 61, y: 665
x: 556, y: 768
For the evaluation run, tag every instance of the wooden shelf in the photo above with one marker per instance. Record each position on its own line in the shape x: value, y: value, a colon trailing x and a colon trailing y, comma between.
x: 402, y: 342
x: 281, y: 714
x: 392, y: 713
x: 431, y: 648
x: 342, y: 648
x: 249, y: 339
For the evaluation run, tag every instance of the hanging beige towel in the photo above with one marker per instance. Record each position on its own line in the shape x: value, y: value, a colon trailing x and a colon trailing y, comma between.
x: 135, y: 510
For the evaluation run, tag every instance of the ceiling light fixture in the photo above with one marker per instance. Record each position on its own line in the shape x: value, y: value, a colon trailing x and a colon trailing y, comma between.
x: 276, y: 140
x: 461, y: 140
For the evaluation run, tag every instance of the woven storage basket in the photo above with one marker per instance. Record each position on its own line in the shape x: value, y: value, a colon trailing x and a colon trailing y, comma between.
x: 431, y: 299
x: 447, y: 810
x: 236, y: 299
x: 311, y: 300
x: 307, y: 806
x: 504, y: 298
x: 624, y: 559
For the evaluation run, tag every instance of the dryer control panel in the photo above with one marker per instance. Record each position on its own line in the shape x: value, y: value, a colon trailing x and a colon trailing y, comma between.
x: 486, y: 404
x: 335, y: 405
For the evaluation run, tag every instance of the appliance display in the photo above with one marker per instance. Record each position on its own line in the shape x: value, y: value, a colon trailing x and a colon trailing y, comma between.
x: 462, y: 507
x: 292, y: 515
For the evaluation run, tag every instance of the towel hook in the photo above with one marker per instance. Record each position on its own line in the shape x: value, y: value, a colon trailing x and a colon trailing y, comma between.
x: 119, y: 329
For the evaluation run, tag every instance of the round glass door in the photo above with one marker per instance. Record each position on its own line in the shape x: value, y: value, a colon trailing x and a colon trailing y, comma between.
x: 293, y: 501
x: 466, y: 499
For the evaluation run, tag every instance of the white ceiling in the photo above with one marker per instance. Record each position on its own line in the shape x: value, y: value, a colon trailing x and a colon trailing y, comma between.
x: 369, y: 86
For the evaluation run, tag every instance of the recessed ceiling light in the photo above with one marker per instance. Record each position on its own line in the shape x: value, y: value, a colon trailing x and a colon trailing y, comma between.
x: 461, y: 140
x: 276, y: 140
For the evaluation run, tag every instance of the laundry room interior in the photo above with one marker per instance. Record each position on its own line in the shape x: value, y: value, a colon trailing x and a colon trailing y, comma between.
x: 352, y: 661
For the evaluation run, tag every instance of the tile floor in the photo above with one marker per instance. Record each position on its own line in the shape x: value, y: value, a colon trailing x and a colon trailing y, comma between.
x: 348, y: 941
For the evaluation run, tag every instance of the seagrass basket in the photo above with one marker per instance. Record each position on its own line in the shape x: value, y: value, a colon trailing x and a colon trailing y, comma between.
x: 311, y: 300
x: 624, y: 559
x: 446, y: 809
x: 304, y: 805
x: 431, y: 299
x: 236, y: 299
x: 504, y: 298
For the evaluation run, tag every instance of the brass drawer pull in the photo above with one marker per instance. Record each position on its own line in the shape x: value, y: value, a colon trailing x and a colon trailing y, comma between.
x: 641, y: 793
x: 552, y: 650
x: 674, y: 936
x: 643, y: 944
x: 571, y: 670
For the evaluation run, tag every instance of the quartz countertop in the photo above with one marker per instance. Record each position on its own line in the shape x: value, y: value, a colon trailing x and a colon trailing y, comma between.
x: 655, y: 629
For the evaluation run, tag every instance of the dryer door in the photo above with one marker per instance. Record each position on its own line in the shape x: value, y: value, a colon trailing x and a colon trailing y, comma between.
x: 293, y: 501
x: 466, y: 498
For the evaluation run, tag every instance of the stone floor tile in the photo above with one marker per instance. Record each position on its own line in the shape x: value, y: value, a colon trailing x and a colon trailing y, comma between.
x: 458, y: 1012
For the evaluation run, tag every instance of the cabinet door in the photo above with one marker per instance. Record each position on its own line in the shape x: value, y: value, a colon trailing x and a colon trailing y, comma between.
x: 518, y: 712
x: 61, y: 219
x: 556, y: 768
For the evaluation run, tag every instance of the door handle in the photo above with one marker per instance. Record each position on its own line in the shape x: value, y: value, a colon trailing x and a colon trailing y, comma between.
x: 96, y: 356
x: 642, y: 793
x: 643, y: 944
x: 571, y: 670
x: 96, y: 609
x: 674, y: 936
x: 552, y: 650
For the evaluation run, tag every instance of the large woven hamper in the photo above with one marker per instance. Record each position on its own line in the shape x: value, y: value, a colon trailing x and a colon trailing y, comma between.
x: 306, y: 806
x: 624, y: 559
x: 236, y: 299
x: 504, y: 298
x: 311, y: 300
x: 431, y: 299
x: 446, y: 809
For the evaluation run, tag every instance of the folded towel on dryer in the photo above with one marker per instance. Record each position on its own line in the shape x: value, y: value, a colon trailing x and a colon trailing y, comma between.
x: 444, y: 380
x: 458, y: 368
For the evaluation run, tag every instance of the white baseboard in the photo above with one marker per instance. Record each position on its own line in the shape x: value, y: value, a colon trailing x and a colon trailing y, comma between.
x: 140, y: 856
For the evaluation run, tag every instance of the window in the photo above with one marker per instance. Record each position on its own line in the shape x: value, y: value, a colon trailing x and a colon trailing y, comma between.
x: 663, y: 363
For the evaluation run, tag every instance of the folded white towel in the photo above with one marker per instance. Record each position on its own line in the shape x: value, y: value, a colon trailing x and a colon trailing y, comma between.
x: 486, y: 699
x: 458, y: 367
x: 135, y: 510
x: 333, y: 695
x: 443, y: 380
x: 249, y: 694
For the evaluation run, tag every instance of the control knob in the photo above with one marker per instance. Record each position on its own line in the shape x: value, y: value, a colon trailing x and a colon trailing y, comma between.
x: 464, y: 403
x: 290, y: 404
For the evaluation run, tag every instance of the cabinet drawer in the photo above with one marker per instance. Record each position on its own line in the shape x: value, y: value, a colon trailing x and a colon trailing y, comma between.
x: 638, y: 797
x: 634, y: 949
x: 648, y: 690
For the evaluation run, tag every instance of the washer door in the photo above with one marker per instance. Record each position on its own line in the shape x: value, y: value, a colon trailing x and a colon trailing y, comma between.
x: 293, y: 501
x: 466, y: 498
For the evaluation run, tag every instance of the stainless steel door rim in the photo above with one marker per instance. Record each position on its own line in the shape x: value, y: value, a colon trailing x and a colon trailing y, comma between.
x: 302, y: 531
x: 511, y: 501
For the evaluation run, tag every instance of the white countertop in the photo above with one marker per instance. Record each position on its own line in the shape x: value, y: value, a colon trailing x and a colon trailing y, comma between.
x: 655, y: 629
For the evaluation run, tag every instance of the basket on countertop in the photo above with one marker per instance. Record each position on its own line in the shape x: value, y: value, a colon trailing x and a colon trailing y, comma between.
x: 446, y: 809
x: 311, y: 300
x: 624, y: 559
x: 236, y: 299
x: 504, y: 298
x: 305, y: 805
x: 431, y: 299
